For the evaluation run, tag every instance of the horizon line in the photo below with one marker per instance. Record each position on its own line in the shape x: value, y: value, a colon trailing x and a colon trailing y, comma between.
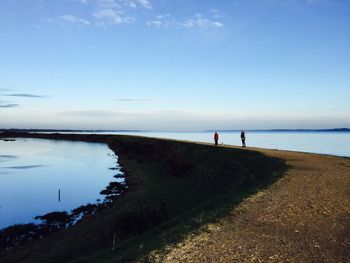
x: 146, y: 130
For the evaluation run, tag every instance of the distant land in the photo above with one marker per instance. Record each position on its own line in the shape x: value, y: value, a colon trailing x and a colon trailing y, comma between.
x: 66, y: 130
x: 100, y: 131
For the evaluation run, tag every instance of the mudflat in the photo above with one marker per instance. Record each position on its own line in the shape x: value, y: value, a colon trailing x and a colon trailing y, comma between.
x: 302, y: 217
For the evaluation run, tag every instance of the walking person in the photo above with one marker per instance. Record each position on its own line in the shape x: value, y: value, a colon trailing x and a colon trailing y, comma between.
x: 243, y: 138
x: 216, y: 138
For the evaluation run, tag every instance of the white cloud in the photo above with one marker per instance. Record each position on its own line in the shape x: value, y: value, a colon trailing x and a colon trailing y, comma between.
x: 136, y: 3
x: 144, y: 3
x: 117, y: 11
x: 197, y: 21
x: 75, y: 20
x: 112, y: 16
x: 80, y: 1
x: 106, y: 12
x: 163, y: 20
x: 200, y: 21
x: 120, y: 4
x: 108, y: 4
x: 156, y: 23
x: 215, y: 13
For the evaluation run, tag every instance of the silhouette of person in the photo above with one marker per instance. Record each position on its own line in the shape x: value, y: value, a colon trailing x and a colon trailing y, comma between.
x: 243, y: 138
x: 216, y: 138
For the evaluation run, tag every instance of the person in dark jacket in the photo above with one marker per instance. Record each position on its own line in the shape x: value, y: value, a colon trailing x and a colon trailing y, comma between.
x: 216, y: 138
x: 243, y: 138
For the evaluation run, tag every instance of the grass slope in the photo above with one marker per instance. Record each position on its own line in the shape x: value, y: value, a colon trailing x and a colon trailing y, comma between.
x: 173, y: 188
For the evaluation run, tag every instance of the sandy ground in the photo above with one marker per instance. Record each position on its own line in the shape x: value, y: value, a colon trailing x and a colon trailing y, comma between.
x: 303, y: 217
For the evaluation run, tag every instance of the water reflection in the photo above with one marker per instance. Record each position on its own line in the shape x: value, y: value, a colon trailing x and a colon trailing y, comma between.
x: 32, y: 171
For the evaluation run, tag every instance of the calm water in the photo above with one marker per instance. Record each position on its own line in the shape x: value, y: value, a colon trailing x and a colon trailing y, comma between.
x: 334, y: 143
x: 32, y: 171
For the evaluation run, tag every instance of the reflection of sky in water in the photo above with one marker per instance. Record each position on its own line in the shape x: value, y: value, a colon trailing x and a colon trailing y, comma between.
x: 33, y: 170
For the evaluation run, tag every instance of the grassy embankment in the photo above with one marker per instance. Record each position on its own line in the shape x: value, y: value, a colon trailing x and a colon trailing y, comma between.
x: 173, y: 188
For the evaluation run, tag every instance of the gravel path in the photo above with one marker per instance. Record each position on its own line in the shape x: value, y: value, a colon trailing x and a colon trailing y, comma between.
x: 303, y: 217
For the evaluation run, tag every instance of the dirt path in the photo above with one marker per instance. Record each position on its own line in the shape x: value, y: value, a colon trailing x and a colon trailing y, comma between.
x: 303, y: 217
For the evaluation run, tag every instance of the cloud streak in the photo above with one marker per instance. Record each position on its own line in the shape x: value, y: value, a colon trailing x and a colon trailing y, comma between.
x: 134, y: 100
x: 3, y: 89
x: 5, y: 104
x: 9, y: 156
x: 8, y: 105
x: 23, y: 167
x: 24, y: 95
x: 90, y: 113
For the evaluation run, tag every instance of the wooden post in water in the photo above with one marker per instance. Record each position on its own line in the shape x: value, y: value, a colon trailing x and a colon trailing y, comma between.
x: 59, y: 195
x: 114, y: 241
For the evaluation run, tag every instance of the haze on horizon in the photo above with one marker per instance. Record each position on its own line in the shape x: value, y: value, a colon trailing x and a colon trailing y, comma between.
x: 174, y: 65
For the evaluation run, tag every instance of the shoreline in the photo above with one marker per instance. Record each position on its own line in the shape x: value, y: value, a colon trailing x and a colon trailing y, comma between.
x: 56, y: 220
x: 136, y: 159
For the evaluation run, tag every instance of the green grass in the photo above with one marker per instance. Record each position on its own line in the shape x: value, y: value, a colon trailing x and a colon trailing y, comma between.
x: 174, y: 188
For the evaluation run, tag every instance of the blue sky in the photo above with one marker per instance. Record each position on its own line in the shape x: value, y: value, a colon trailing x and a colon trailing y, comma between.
x: 174, y: 65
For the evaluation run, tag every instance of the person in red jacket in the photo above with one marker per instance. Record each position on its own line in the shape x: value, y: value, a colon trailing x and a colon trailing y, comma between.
x: 216, y: 138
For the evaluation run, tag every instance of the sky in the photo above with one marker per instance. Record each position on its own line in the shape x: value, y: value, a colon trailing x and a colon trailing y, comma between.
x: 183, y: 65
